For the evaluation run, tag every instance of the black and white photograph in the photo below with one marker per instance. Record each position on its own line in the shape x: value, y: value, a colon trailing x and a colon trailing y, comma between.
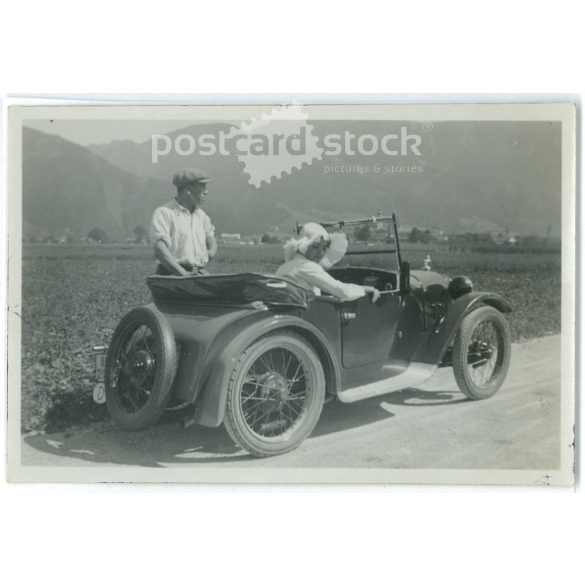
x: 292, y: 293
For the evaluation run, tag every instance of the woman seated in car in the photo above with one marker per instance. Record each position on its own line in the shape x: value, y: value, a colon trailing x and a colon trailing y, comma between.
x: 307, y: 257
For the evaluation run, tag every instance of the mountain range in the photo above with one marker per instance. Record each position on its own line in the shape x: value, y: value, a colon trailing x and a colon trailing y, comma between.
x: 471, y: 176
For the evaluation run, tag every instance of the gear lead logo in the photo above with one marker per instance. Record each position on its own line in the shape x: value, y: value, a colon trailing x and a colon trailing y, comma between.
x: 275, y: 143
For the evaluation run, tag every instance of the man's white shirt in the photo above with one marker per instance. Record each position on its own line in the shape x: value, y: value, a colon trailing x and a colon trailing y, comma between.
x: 183, y: 232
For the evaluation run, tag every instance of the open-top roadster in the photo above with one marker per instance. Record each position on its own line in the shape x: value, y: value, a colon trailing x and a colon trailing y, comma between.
x: 261, y: 354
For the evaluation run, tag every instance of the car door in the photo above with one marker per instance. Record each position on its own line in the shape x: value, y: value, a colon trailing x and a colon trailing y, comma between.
x: 367, y: 329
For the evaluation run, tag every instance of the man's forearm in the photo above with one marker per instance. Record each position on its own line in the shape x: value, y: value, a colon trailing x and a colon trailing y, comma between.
x: 211, y: 247
x: 163, y: 255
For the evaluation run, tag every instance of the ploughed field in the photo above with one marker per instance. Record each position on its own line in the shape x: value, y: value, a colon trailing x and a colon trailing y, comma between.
x: 74, y: 296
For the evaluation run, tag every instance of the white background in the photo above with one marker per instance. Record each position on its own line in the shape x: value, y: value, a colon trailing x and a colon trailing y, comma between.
x: 97, y: 534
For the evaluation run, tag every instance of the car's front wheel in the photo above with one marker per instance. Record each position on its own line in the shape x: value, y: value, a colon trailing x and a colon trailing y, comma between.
x: 275, y: 395
x: 481, y: 354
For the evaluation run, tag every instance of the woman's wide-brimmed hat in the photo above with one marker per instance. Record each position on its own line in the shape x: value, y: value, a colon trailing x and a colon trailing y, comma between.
x: 311, y: 233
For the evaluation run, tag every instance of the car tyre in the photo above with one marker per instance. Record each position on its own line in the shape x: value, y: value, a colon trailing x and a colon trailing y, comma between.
x: 481, y: 353
x: 140, y: 369
x: 275, y: 395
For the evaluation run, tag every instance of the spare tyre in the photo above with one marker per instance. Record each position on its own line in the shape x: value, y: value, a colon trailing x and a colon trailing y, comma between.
x: 140, y: 369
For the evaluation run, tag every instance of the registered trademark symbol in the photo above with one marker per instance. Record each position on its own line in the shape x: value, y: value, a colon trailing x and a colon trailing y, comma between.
x: 427, y: 127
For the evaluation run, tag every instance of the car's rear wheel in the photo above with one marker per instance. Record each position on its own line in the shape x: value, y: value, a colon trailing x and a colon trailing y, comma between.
x: 275, y: 395
x: 140, y: 368
x: 481, y: 353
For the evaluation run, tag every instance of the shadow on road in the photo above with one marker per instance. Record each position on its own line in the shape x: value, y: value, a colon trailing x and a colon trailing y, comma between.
x: 168, y: 443
x: 418, y: 397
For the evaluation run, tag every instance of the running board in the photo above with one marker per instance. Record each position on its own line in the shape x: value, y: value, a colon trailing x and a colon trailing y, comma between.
x: 415, y: 374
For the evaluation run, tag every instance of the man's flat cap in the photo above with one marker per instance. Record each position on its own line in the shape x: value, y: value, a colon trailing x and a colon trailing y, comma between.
x: 188, y: 177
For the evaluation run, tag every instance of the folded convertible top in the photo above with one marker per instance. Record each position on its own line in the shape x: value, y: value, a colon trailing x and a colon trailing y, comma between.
x: 229, y: 289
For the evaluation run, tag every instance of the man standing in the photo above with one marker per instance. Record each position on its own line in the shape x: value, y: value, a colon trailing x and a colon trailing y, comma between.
x: 181, y: 232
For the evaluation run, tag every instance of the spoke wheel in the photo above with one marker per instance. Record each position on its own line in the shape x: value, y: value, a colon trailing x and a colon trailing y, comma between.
x: 140, y: 368
x: 275, y: 395
x: 481, y: 354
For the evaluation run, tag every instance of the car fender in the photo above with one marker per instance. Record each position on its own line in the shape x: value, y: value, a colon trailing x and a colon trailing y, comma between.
x: 433, y: 349
x: 214, y: 383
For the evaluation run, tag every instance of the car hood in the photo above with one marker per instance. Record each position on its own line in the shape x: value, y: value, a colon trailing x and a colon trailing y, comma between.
x: 423, y: 279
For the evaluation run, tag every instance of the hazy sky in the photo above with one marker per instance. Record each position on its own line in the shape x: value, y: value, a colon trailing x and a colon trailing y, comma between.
x: 86, y: 132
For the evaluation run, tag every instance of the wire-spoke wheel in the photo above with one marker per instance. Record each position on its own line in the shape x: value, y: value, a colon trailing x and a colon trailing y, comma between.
x: 140, y: 368
x: 275, y: 395
x: 481, y: 354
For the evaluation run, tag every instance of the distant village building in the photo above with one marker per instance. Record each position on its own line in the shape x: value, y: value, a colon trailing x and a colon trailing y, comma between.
x: 230, y: 237
x: 438, y: 234
x: 404, y: 230
x: 504, y: 239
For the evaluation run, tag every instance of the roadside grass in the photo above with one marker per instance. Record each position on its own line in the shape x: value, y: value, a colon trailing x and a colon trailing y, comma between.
x: 74, y: 296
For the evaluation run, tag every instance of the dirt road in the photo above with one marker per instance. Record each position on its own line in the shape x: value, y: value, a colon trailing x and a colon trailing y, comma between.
x: 431, y: 427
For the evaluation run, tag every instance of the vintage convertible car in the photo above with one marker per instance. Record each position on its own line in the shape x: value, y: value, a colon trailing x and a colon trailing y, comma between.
x: 261, y: 354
